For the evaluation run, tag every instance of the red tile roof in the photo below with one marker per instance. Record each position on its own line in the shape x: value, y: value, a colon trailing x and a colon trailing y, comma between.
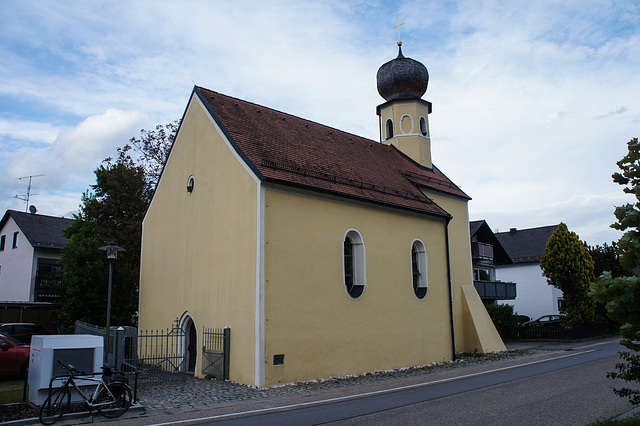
x: 289, y: 150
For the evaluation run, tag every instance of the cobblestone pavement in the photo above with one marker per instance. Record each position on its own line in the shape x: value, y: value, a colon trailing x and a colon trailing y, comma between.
x: 200, y: 393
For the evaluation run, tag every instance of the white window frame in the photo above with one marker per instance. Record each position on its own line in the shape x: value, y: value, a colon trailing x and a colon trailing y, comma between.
x: 386, y: 129
x: 402, y: 127
x: 359, y: 261
x: 426, y: 126
x: 476, y: 273
x: 191, y: 183
x: 421, y: 260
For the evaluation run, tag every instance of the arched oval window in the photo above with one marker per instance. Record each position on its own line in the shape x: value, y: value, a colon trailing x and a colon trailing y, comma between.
x: 190, y: 184
x: 419, y: 276
x: 389, y: 128
x: 353, y: 267
x: 423, y: 126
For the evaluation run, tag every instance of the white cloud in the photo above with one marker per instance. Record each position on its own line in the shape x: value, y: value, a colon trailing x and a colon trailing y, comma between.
x: 532, y: 108
x: 68, y: 163
x: 533, y: 102
x: 30, y: 131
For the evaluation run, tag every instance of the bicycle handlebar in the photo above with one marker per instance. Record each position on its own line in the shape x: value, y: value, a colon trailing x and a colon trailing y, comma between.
x: 71, y: 369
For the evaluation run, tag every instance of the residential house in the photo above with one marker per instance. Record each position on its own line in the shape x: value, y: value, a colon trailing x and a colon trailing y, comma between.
x: 486, y: 254
x: 525, y: 247
x: 30, y: 246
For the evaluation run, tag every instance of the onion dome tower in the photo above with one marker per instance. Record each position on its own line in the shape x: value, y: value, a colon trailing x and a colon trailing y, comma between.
x: 404, y: 116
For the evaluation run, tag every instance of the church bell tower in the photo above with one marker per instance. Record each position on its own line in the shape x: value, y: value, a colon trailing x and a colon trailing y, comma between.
x: 403, y: 118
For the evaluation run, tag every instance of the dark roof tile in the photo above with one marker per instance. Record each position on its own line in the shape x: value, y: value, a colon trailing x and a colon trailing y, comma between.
x: 526, y: 245
x: 41, y: 231
x: 474, y: 225
x: 481, y: 232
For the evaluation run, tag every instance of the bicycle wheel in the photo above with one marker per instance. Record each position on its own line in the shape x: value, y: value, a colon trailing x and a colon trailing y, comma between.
x: 55, y: 406
x: 120, y: 402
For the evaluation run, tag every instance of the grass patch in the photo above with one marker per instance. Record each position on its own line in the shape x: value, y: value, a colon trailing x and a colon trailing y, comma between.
x: 11, y: 391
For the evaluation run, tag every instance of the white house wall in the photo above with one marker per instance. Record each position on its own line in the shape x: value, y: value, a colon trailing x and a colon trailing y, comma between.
x: 15, y: 265
x: 535, y: 297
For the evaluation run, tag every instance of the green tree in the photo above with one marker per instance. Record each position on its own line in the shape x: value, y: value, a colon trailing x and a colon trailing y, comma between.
x: 151, y: 150
x: 628, y: 216
x: 621, y: 295
x: 567, y: 264
x: 606, y: 258
x: 111, y: 212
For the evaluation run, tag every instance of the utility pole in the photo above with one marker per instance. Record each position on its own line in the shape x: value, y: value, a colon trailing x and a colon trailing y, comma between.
x: 26, y: 198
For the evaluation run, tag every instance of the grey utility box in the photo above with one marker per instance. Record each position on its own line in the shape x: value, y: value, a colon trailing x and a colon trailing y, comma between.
x: 84, y: 351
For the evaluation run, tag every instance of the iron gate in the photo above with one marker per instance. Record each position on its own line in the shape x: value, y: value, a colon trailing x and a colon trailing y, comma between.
x: 215, y: 352
x: 157, y: 356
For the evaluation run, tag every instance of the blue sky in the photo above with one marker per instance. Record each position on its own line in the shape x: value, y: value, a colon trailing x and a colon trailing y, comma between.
x: 533, y: 102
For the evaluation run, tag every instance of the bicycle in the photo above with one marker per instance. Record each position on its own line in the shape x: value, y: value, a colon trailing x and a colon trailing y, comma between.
x: 111, y: 397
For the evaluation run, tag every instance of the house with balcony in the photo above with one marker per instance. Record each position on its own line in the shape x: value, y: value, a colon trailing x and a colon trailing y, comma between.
x: 486, y: 254
x: 30, y: 246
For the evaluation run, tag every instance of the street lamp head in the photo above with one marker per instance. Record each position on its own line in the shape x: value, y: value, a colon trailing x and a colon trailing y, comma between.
x: 112, y: 250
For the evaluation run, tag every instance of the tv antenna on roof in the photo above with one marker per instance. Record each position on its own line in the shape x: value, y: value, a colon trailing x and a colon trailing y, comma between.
x: 25, y: 198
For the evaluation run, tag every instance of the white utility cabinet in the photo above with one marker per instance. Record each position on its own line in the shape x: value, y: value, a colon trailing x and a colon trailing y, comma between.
x: 83, y: 351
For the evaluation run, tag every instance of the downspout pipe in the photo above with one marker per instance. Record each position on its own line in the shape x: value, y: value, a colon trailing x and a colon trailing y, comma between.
x: 450, y: 286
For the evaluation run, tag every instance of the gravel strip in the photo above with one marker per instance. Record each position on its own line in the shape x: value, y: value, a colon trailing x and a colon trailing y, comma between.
x: 198, y: 393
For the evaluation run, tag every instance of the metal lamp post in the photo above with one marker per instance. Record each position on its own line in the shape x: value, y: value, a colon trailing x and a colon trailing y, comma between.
x: 112, y: 250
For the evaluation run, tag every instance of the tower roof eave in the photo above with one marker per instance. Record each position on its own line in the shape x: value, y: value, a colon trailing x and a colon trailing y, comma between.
x: 427, y: 104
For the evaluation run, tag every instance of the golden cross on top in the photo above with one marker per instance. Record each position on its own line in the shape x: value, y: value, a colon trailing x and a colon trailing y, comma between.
x: 398, y: 27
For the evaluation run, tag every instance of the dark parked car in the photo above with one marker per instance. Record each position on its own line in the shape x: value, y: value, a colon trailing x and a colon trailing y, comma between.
x: 14, y: 357
x: 22, y: 331
x: 546, y: 320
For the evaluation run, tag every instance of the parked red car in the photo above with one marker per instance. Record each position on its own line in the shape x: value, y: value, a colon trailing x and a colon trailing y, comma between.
x: 14, y: 357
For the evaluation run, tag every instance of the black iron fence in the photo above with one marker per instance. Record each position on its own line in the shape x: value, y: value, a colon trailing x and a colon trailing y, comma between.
x: 215, y: 352
x: 156, y: 356
x: 150, y: 357
x: 553, y: 332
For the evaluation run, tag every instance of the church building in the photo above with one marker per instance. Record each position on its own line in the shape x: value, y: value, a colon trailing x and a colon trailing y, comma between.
x: 325, y: 253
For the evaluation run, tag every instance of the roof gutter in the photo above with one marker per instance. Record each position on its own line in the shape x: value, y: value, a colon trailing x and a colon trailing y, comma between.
x: 450, y: 287
x: 290, y: 184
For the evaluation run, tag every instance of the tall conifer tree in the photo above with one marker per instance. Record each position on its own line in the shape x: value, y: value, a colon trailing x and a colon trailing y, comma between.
x: 567, y: 264
x: 621, y: 295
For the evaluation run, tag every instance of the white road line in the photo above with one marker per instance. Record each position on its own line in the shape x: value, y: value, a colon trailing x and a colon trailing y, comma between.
x: 593, y: 344
x: 361, y: 395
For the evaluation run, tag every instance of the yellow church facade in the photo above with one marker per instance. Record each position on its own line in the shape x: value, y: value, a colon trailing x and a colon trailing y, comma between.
x: 326, y: 254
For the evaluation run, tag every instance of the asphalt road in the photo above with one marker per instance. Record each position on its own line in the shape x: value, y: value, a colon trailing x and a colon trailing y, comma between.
x: 565, y: 384
x: 569, y: 388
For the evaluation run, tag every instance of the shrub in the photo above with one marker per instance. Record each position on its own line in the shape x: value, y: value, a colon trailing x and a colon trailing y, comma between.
x: 504, y: 318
